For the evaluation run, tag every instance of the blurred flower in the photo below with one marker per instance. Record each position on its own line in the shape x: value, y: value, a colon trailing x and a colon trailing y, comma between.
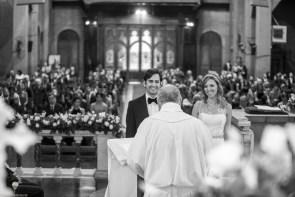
x: 224, y: 158
x: 274, y: 135
x: 106, y: 123
x: 268, y: 172
x: 250, y: 175
x: 111, y: 127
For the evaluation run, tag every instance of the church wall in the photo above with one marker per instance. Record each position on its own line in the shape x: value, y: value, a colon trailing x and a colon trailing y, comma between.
x: 263, y: 41
x: 216, y: 19
x: 25, y: 42
x: 20, y: 38
x: 6, y: 27
x: 67, y: 18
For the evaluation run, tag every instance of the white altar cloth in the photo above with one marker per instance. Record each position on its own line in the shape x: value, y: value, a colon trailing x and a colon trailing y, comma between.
x: 122, y: 181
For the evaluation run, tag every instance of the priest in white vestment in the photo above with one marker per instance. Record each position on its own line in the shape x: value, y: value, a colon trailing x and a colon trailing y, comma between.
x: 169, y: 149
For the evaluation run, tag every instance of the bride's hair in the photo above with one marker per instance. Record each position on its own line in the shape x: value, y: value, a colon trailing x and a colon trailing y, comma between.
x: 214, y: 76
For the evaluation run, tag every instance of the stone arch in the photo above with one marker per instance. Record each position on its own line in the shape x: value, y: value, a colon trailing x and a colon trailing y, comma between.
x: 210, y: 52
x: 68, y: 48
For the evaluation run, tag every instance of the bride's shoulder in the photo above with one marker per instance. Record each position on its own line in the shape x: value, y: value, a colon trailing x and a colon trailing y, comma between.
x: 228, y: 108
x: 198, y: 104
x: 197, y: 108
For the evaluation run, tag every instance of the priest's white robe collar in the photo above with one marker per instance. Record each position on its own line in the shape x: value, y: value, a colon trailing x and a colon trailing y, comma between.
x: 166, y: 115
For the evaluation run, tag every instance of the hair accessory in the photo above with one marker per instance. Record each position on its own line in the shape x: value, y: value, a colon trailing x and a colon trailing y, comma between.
x: 212, y: 74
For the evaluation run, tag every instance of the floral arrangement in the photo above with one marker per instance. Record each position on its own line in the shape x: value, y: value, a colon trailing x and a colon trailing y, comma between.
x: 68, y: 123
x: 268, y: 172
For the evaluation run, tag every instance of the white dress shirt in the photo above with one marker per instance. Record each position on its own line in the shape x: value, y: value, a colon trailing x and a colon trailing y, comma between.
x: 153, y: 107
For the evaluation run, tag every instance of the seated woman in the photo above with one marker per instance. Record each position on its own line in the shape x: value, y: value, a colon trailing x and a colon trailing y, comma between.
x: 76, y: 108
x: 99, y: 105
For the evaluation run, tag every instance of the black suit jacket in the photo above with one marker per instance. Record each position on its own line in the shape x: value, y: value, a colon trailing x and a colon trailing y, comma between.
x: 57, y: 109
x: 137, y: 111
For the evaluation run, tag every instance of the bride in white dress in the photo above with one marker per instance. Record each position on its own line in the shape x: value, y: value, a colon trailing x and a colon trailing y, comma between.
x: 213, y: 110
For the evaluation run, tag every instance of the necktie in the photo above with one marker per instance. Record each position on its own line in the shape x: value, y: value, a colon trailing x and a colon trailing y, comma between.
x: 150, y: 100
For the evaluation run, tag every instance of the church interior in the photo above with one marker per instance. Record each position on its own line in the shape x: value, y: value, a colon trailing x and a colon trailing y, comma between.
x: 108, y: 45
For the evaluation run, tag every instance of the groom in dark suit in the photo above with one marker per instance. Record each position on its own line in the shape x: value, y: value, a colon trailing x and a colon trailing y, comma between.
x: 53, y: 107
x: 145, y: 105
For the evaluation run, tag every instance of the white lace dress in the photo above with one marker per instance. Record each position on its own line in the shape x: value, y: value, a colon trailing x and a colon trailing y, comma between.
x: 215, y: 123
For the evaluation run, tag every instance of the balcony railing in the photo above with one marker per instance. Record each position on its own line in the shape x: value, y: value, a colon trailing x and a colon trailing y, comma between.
x: 99, y: 150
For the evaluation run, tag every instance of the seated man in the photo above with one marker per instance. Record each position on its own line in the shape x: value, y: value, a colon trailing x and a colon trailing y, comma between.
x: 169, y: 149
x: 53, y: 107
x: 22, y: 186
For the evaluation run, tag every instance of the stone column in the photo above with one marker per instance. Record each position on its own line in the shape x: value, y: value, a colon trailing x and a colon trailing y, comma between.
x: 57, y: 140
x: 241, y: 122
x: 234, y: 11
x: 263, y: 40
x: 20, y: 37
x: 77, y: 170
x: 102, y: 151
x: 38, y: 171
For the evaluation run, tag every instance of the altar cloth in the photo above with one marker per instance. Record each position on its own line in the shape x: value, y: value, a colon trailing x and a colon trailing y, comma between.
x: 122, y: 181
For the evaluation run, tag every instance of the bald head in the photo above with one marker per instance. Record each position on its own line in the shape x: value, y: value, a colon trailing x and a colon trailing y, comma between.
x: 169, y: 93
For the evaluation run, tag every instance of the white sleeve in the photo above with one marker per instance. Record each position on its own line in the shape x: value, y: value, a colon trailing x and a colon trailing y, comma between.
x: 137, y: 149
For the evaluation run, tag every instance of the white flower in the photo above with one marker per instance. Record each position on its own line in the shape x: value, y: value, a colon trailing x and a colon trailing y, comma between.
x: 54, y: 124
x: 92, y: 118
x: 106, y: 123
x: 274, y: 140
x: 37, y: 125
x: 37, y: 118
x: 102, y: 114
x: 21, y: 138
x: 56, y: 116
x: 90, y: 122
x: 45, y: 122
x: 277, y: 157
x: 28, y: 122
x: 64, y: 116
x: 85, y: 118
x: 250, y: 175
x: 117, y: 119
x: 224, y: 158
x: 111, y: 126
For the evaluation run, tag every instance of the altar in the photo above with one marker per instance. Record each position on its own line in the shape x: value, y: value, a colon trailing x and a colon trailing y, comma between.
x: 122, y: 181
x: 257, y: 122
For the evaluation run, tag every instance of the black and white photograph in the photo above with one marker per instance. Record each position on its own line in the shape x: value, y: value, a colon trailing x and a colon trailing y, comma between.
x: 147, y: 98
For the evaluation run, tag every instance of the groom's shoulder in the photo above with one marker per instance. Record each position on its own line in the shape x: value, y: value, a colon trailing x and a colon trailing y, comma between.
x: 137, y: 100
